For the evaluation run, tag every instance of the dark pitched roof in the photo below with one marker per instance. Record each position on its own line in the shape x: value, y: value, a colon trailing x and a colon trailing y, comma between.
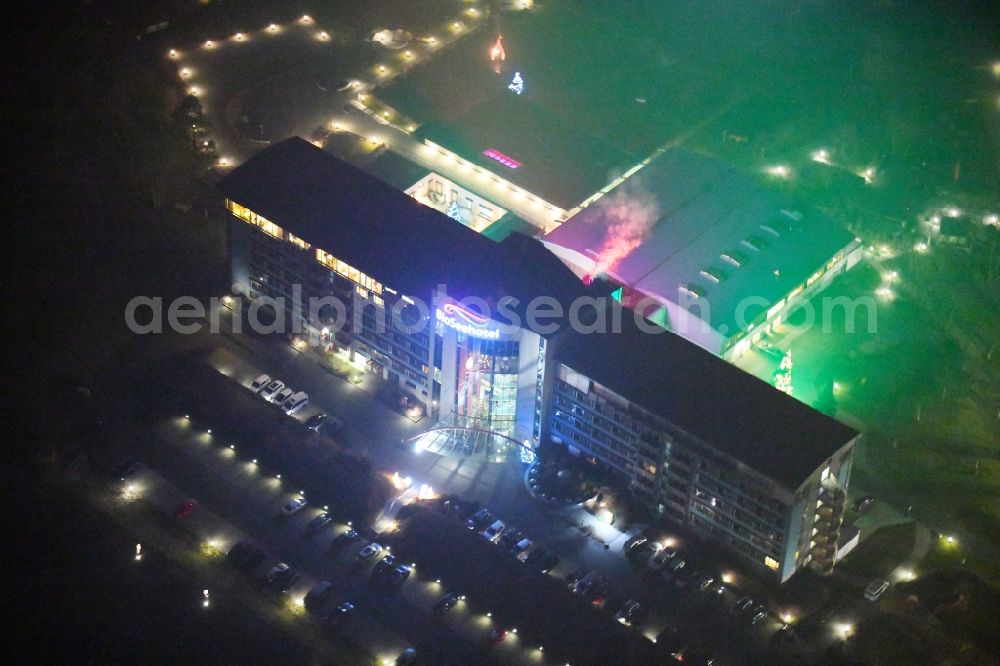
x: 388, y: 235
x: 710, y: 399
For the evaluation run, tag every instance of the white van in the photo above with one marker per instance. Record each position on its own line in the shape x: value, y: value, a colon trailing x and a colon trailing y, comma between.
x: 295, y: 402
x: 876, y: 589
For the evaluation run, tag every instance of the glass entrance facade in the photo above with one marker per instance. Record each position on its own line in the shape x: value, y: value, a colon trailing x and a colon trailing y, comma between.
x: 486, y: 383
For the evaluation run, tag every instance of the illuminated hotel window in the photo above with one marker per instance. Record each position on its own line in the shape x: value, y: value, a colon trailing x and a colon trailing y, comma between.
x: 253, y: 218
x: 378, y: 301
x: 295, y: 240
x: 770, y: 562
x: 347, y: 271
x: 362, y: 292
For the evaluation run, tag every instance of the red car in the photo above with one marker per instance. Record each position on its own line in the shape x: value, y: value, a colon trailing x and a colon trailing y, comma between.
x: 185, y: 509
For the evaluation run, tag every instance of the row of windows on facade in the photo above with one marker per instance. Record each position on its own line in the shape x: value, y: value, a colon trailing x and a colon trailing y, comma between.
x: 393, y: 341
x: 753, y: 546
x: 755, y: 536
x: 730, y: 515
x: 581, y: 441
x: 597, y: 438
x: 398, y: 356
x: 322, y: 256
x: 762, y: 505
x: 569, y: 399
x: 651, y: 431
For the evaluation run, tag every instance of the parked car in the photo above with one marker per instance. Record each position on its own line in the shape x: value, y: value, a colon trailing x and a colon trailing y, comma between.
x: 407, y: 658
x: 648, y: 552
x: 758, y: 617
x: 281, y: 577
x: 493, y: 532
x: 319, y: 593
x: 293, y: 506
x: 876, y: 589
x: 340, y: 614
x: 185, y: 509
x: 315, y: 421
x: 479, y: 519
x: 445, y: 603
x: 259, y: 383
x: 384, y: 565
x: 863, y: 503
x: 295, y: 402
x: 520, y: 547
x: 742, y: 605
x: 703, y: 583
x: 369, y: 551
x: 343, y: 539
x: 281, y: 396
x: 588, y: 585
x: 399, y: 575
x: 629, y: 614
x: 320, y: 521
x: 510, y: 537
x: 658, y: 561
x: 634, y: 543
x: 497, y: 636
x: 532, y: 555
x: 672, y: 570
x: 271, y: 389
x: 275, y: 571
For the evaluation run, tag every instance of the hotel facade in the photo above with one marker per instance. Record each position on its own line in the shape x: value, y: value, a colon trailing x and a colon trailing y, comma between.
x: 693, y: 438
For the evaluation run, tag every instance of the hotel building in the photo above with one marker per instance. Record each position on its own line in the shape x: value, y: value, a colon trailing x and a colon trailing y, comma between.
x: 691, y: 436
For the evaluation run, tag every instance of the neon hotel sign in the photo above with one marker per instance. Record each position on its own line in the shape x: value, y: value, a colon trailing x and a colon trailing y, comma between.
x: 466, y: 321
x: 505, y: 160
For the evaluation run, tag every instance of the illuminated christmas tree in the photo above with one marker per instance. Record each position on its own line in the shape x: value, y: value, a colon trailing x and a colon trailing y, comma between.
x: 783, y: 378
x: 517, y: 84
x: 453, y: 211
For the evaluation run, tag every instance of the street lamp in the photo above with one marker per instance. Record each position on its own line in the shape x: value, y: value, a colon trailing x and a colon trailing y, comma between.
x: 821, y: 156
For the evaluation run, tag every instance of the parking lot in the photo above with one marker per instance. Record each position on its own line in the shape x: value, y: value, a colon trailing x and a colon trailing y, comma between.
x: 225, y: 477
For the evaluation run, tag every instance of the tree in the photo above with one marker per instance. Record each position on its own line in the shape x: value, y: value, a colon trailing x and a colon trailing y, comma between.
x: 783, y: 377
